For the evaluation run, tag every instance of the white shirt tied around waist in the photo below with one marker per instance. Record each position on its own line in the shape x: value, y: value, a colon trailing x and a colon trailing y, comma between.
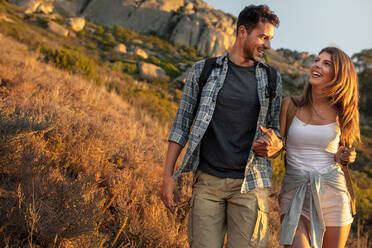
x: 311, y: 148
x: 310, y: 161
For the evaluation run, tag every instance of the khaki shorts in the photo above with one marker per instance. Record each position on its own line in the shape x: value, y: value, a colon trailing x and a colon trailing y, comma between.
x: 218, y: 207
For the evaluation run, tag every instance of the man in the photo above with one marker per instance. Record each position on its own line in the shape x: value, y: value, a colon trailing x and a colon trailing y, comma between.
x: 229, y: 145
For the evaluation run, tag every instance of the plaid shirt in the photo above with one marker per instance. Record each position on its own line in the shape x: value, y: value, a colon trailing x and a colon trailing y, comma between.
x: 258, y: 170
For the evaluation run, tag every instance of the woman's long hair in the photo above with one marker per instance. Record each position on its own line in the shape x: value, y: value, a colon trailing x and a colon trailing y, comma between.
x: 343, y: 94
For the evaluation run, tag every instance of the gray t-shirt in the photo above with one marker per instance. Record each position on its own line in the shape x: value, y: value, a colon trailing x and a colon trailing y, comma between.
x: 226, y: 144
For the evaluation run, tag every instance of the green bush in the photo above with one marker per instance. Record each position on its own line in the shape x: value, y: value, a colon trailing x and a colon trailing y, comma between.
x: 123, y: 34
x: 169, y: 68
x: 71, y: 60
x: 100, y: 30
x: 124, y: 67
x: 161, y: 44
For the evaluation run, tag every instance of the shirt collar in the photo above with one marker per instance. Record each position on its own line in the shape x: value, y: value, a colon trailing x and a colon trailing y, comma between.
x: 221, y: 59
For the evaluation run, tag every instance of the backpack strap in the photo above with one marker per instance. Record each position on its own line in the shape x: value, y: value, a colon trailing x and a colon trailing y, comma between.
x: 270, y: 88
x: 209, y: 64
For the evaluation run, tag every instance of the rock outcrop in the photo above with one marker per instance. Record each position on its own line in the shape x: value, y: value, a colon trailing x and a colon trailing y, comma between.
x: 57, y: 28
x: 76, y: 23
x: 121, y: 48
x: 186, y: 22
x: 140, y: 52
x: 150, y: 71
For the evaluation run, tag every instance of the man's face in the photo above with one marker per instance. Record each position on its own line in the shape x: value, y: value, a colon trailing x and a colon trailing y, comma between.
x: 258, y: 41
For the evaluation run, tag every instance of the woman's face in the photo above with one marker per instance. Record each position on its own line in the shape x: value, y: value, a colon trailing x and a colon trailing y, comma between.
x: 321, y: 72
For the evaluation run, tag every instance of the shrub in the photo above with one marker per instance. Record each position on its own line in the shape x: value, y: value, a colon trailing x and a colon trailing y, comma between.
x: 169, y: 68
x: 123, y: 34
x: 124, y: 67
x: 71, y: 60
x: 100, y: 30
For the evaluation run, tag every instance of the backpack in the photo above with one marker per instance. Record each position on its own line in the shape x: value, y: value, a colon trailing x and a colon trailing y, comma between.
x: 210, y: 63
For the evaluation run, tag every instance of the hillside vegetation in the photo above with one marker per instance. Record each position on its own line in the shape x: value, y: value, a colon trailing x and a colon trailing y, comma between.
x: 83, y: 138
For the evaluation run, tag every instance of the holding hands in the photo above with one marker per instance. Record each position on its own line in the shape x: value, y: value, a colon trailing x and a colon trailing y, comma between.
x: 268, y: 144
x: 345, y: 155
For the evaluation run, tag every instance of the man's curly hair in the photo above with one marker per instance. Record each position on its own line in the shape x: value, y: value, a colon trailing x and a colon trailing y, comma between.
x: 252, y: 14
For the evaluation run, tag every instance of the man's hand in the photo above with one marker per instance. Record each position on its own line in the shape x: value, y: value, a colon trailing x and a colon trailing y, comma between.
x: 169, y: 193
x: 268, y: 144
x: 345, y: 155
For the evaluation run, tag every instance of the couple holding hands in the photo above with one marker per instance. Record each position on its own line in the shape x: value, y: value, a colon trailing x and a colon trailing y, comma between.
x: 233, y: 126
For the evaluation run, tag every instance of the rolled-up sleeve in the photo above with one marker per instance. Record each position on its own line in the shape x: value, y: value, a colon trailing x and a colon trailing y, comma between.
x: 185, y: 113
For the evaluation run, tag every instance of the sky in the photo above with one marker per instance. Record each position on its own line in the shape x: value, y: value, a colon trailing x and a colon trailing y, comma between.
x: 310, y: 25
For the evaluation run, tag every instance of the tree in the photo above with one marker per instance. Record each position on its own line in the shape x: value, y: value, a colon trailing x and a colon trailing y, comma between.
x: 363, y: 64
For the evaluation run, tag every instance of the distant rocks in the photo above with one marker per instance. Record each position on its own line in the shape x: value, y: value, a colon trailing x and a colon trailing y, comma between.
x: 76, y: 23
x: 5, y: 18
x: 185, y: 22
x: 35, y: 6
x: 150, y: 71
x: 140, y: 52
x: 68, y: 8
x: 57, y: 28
x: 121, y: 48
x: 303, y: 58
x: 182, y: 78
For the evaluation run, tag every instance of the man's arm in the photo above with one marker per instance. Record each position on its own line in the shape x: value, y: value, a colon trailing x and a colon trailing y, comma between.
x: 270, y: 143
x: 178, y: 137
x: 169, y: 193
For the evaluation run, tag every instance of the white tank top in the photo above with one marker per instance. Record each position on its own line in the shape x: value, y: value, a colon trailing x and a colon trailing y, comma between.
x: 312, y: 147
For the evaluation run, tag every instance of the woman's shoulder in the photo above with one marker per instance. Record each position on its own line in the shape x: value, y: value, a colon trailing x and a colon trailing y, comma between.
x: 289, y: 100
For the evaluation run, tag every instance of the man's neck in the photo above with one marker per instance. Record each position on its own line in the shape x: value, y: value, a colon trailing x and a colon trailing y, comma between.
x: 235, y: 55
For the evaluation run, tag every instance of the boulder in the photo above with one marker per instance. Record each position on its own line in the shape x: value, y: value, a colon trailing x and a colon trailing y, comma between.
x: 121, y: 48
x: 30, y: 7
x: 140, y: 52
x: 70, y: 8
x: 150, y: 71
x: 46, y: 8
x: 34, y: 6
x: 5, y: 18
x: 137, y: 41
x: 77, y: 23
x: 57, y: 28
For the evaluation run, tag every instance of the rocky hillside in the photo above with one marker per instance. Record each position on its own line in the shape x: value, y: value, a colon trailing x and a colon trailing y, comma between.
x: 186, y: 22
x: 192, y: 24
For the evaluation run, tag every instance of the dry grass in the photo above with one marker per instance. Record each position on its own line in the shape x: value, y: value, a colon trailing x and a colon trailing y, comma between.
x: 80, y: 167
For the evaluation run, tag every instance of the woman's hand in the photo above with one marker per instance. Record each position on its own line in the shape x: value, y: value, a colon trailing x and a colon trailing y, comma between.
x: 345, y: 155
x: 268, y: 144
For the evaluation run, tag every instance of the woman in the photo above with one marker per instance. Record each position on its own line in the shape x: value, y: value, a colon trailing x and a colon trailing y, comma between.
x: 319, y: 127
